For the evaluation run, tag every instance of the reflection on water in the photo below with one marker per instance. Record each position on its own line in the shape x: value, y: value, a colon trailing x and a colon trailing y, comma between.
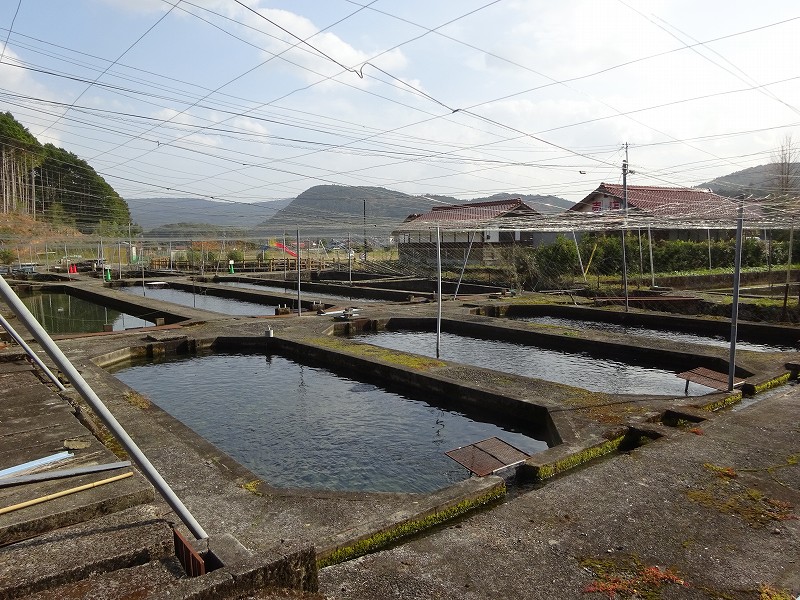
x: 203, y: 301
x: 299, y: 426
x: 675, y: 336
x: 570, y: 368
x: 61, y: 313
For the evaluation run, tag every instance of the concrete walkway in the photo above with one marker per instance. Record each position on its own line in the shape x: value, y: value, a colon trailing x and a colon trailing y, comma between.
x: 705, y: 514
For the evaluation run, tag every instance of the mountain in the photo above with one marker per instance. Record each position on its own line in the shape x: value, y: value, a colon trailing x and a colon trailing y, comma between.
x: 151, y: 213
x: 757, y: 181
x: 332, y: 210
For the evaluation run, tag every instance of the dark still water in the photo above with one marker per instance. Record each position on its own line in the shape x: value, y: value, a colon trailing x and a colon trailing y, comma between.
x: 61, y: 313
x: 661, y: 334
x: 226, y: 306
x: 570, y: 368
x: 291, y: 288
x: 305, y: 427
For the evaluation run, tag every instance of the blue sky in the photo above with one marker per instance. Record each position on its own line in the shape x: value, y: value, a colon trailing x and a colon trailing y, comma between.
x: 216, y: 98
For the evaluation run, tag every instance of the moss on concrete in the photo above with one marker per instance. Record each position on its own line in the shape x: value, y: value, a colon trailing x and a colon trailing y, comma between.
x: 396, y: 532
x: 138, y: 400
x: 772, y: 383
x: 727, y: 495
x: 721, y: 403
x: 548, y: 470
x: 626, y: 576
x: 253, y: 487
x: 409, y: 361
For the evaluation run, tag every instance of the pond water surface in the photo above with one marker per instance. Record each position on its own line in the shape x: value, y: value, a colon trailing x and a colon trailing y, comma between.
x: 226, y: 306
x: 62, y: 313
x: 570, y: 368
x: 672, y: 335
x: 306, y: 427
x: 291, y: 288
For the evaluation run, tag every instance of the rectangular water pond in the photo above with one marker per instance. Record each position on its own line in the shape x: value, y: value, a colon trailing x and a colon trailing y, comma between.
x: 670, y: 334
x: 227, y: 306
x: 291, y: 288
x: 577, y: 369
x: 304, y: 427
x: 61, y: 313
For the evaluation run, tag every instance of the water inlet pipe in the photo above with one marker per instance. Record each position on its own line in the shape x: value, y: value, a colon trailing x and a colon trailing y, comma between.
x: 29, y: 351
x: 100, y: 409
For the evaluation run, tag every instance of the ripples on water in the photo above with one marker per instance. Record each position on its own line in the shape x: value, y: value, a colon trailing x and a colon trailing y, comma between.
x: 226, y: 306
x: 300, y: 426
x: 674, y: 336
x: 570, y: 368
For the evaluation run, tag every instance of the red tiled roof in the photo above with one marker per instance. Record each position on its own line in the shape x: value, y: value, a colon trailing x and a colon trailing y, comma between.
x: 667, y: 201
x: 475, y: 211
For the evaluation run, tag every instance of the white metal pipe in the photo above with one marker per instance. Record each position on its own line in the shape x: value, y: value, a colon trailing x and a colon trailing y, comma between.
x: 438, y: 290
x: 737, y: 270
x: 29, y: 351
x: 100, y: 409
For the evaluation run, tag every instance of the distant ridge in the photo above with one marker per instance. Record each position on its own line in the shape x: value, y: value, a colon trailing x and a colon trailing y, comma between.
x: 151, y: 213
x: 757, y: 181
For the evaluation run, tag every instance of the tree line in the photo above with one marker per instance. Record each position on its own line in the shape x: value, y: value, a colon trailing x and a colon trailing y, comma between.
x: 52, y: 184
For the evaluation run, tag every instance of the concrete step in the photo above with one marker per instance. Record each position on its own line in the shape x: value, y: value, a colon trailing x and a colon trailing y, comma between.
x: 122, y: 540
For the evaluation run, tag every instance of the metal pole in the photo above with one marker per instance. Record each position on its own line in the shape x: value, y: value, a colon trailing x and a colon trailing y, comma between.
x: 285, y: 259
x: 119, y: 258
x: 438, y: 291
x: 625, y: 208
x: 464, y: 266
x: 365, y: 230
x: 83, y: 388
x: 7, y: 326
x: 709, y: 248
x: 299, y: 258
x: 652, y: 270
x: 350, y: 259
x: 737, y: 270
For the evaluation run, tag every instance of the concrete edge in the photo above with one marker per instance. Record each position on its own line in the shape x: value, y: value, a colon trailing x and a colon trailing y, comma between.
x: 432, y: 510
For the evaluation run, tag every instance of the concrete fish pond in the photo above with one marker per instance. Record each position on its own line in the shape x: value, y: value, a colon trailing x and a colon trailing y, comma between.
x: 200, y: 299
x: 672, y: 334
x: 579, y: 369
x: 290, y: 287
x: 299, y: 426
x: 61, y: 313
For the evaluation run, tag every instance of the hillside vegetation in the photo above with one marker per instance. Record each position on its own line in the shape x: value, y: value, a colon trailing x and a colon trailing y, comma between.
x: 49, y: 183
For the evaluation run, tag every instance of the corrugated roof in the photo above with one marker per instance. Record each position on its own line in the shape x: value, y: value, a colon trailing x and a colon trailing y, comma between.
x: 667, y: 201
x: 475, y: 211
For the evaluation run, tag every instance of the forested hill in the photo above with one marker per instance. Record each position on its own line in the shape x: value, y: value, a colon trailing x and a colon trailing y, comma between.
x: 47, y: 182
x: 758, y: 182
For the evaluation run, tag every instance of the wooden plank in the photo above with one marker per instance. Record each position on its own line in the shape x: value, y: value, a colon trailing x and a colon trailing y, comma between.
x: 709, y: 378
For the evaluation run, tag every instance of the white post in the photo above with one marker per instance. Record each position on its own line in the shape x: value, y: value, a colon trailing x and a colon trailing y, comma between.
x: 737, y: 269
x: 438, y: 291
x: 299, y: 256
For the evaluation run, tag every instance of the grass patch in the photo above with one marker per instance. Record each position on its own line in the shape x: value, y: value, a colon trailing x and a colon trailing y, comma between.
x: 138, y: 400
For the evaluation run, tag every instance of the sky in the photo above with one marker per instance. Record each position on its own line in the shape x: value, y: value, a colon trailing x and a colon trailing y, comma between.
x: 257, y: 100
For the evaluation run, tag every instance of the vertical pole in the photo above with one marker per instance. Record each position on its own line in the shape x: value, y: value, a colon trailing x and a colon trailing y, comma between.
x: 788, y: 271
x: 580, y: 260
x: 99, y: 409
x: 299, y: 256
x: 119, y: 258
x: 641, y: 259
x: 737, y: 269
x: 652, y: 269
x: 285, y: 259
x: 464, y: 266
x: 438, y: 290
x: 143, y: 286
x: 350, y: 259
x: 365, y: 231
x: 709, y: 248
x: 625, y: 208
